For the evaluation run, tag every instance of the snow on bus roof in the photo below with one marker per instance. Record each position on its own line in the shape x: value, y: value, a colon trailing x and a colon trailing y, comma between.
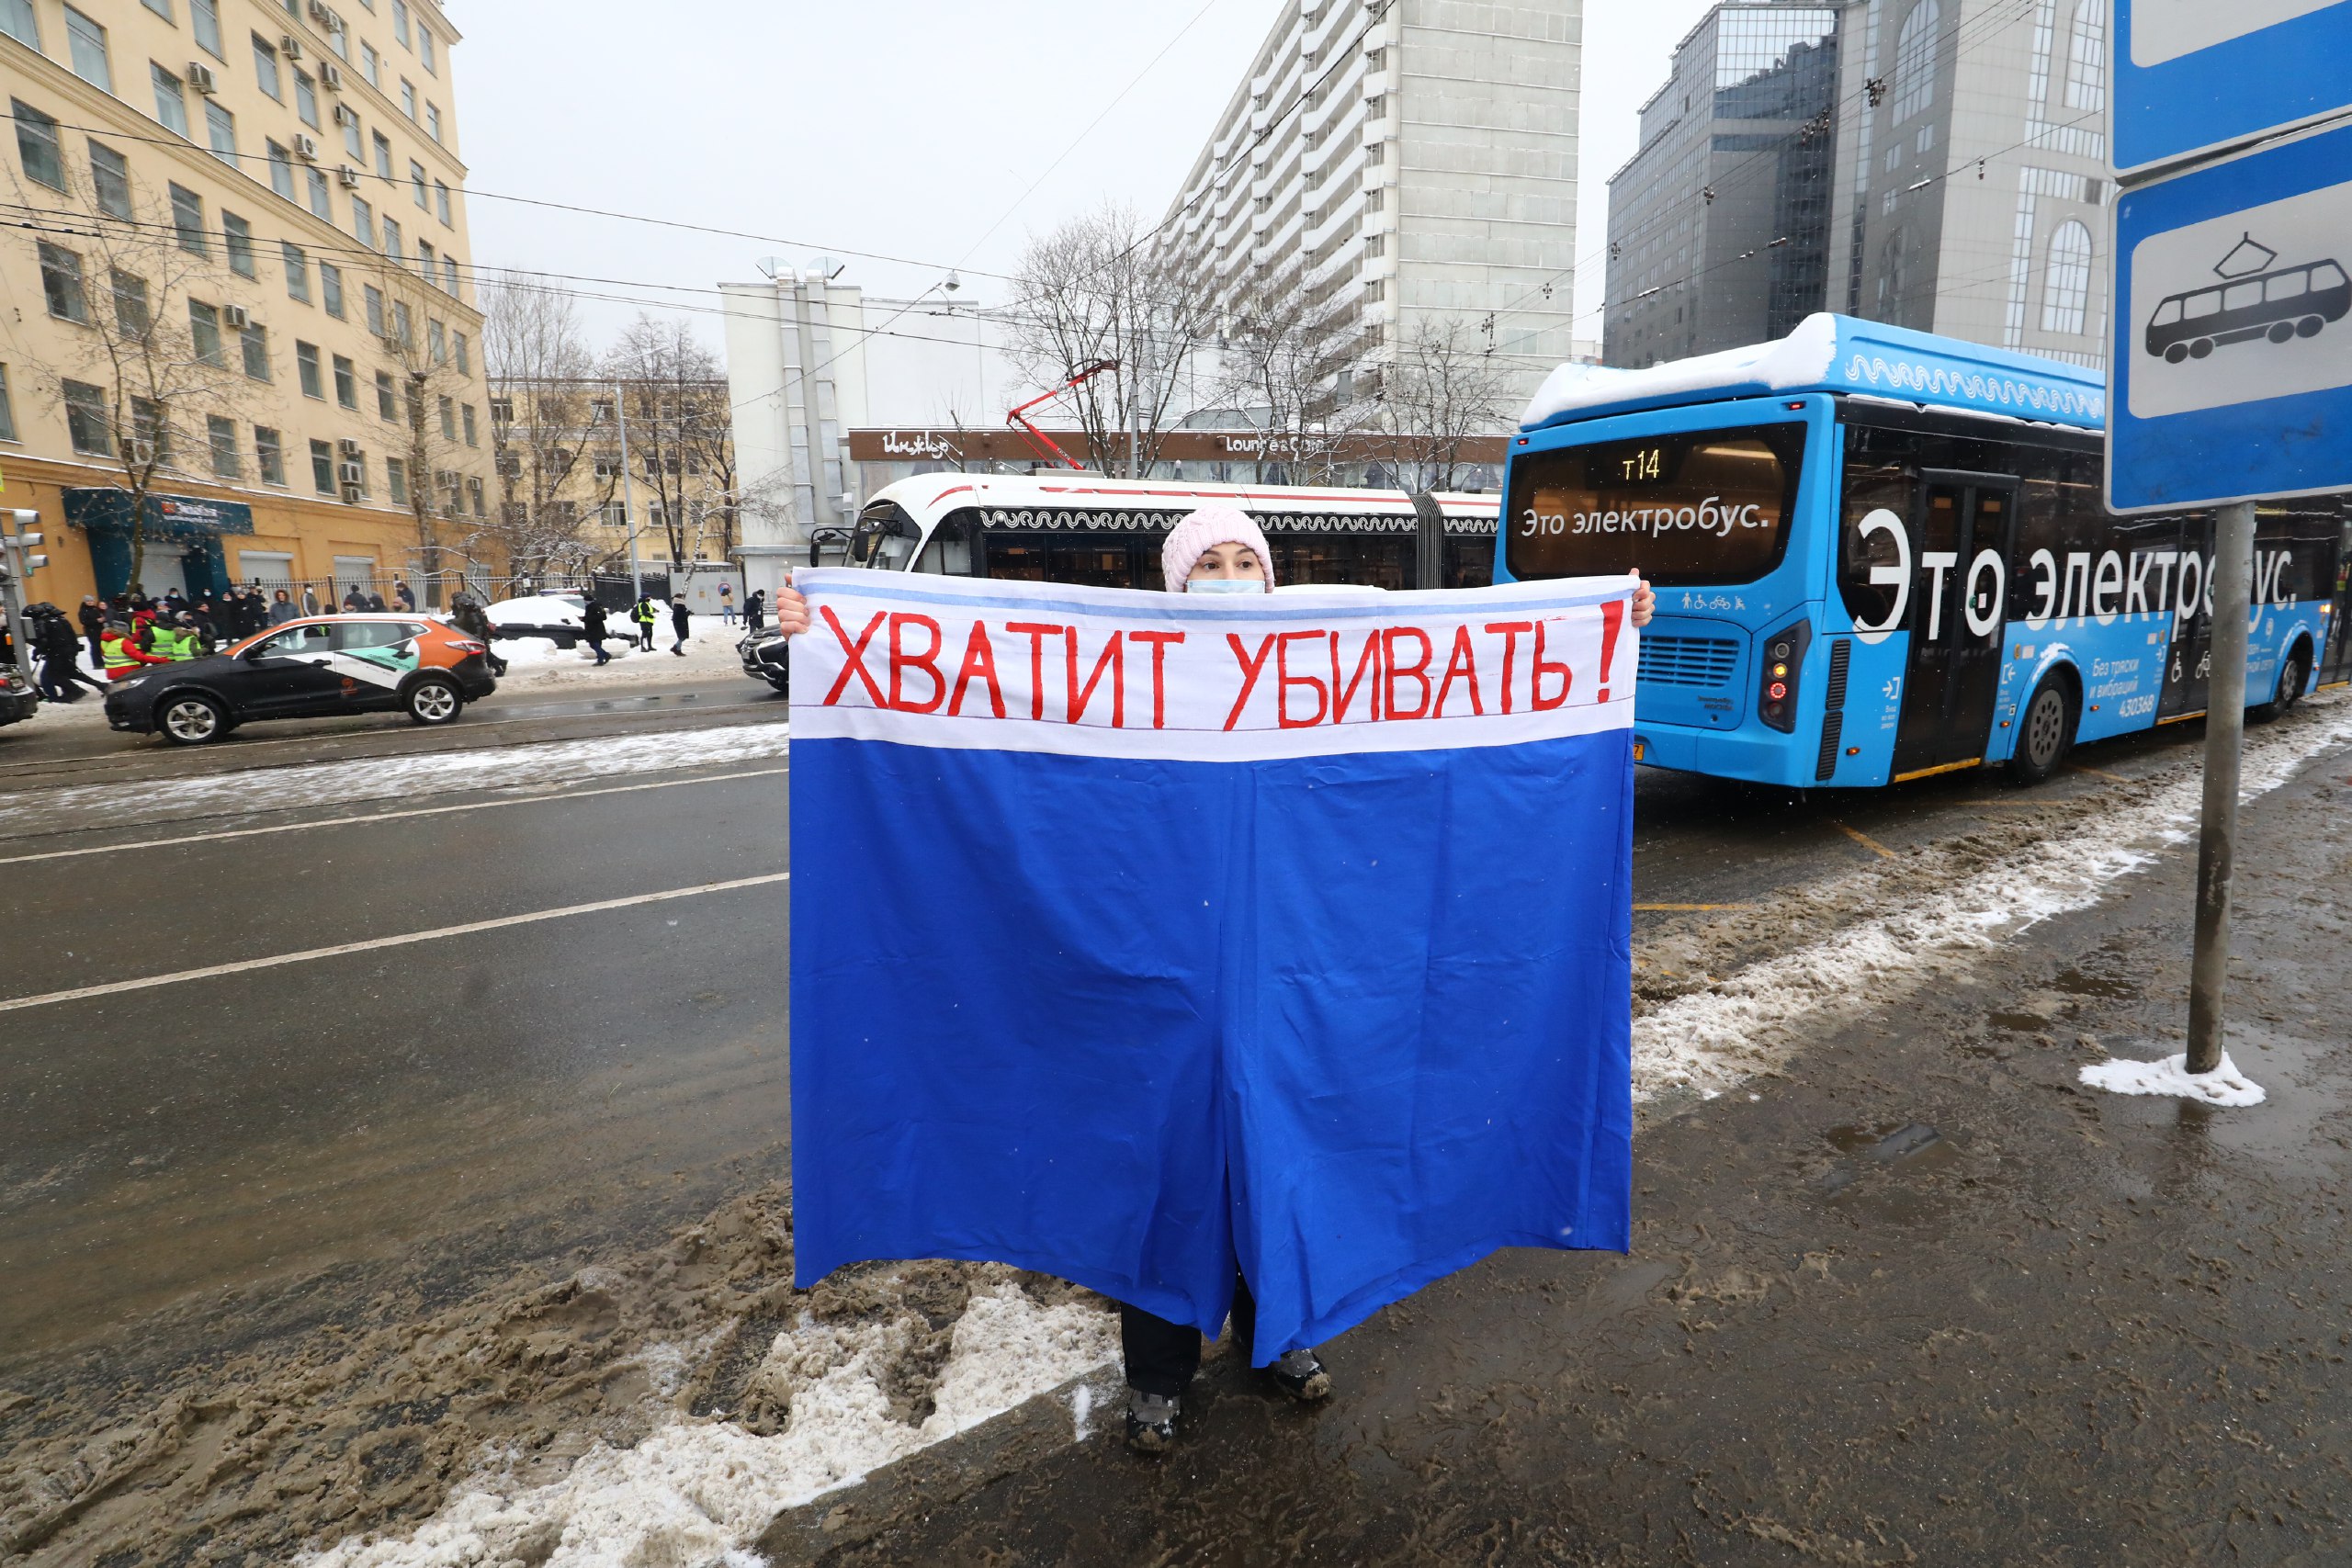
x: 1838, y: 353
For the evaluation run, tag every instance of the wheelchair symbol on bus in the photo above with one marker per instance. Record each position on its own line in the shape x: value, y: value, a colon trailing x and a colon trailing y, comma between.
x: 2254, y: 301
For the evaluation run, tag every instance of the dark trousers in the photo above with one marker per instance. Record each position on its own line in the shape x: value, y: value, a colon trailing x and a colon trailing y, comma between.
x: 598, y: 644
x: 97, y: 654
x: 645, y: 636
x: 59, y: 677
x: 1161, y: 1355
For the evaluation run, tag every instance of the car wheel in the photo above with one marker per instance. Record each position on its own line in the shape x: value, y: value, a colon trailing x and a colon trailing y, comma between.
x: 435, y: 700
x: 191, y: 719
x: 2046, y: 733
x: 2294, y: 672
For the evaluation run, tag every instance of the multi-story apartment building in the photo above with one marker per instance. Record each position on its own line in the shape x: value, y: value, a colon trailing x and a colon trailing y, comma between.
x: 1719, y: 225
x: 1388, y: 164
x: 1972, y: 172
x: 245, y: 347
x: 568, y: 502
x: 1965, y: 194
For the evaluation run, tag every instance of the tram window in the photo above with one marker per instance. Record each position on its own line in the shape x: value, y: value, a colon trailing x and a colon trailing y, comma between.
x: 1323, y: 558
x: 1469, y: 560
x: 1708, y: 506
x: 948, y: 551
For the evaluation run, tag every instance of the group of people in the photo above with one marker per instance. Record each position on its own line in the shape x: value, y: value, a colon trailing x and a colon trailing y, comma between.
x: 129, y: 632
x: 596, y: 625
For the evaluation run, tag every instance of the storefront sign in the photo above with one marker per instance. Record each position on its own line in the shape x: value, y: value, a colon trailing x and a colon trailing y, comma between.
x: 168, y: 516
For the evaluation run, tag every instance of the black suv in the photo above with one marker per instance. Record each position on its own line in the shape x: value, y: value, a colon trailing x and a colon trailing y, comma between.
x: 763, y: 660
x: 308, y: 668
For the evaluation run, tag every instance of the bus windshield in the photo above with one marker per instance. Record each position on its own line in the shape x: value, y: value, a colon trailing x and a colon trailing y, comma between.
x: 1704, y: 507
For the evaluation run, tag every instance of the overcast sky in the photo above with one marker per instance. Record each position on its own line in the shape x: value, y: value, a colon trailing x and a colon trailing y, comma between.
x: 909, y: 128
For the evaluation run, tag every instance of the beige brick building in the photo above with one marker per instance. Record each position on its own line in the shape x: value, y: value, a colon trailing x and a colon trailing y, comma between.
x: 242, y: 345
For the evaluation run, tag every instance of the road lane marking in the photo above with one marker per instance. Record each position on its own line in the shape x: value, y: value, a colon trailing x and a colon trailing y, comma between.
x: 2099, y: 774
x: 373, y: 944
x: 1686, y: 908
x: 1865, y: 840
x: 552, y: 794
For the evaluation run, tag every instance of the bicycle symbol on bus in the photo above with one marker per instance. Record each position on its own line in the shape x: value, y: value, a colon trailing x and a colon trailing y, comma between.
x: 2276, y: 306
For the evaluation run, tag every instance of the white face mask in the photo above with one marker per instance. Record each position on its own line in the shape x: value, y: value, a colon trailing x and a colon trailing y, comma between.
x: 1224, y: 585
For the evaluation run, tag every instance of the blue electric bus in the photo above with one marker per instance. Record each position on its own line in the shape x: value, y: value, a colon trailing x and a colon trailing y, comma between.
x: 1880, y: 554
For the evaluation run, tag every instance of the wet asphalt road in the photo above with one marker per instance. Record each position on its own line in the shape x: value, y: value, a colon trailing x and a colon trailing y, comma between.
x: 452, y: 1107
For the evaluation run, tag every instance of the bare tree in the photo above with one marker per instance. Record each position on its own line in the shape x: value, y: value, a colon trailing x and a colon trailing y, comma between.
x: 1288, y: 361
x: 1096, y: 289
x: 681, y: 434
x: 546, y: 419
x: 1441, y: 388
x: 159, y: 361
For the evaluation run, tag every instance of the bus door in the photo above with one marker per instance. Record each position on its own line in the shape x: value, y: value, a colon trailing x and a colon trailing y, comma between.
x: 2188, y: 655
x: 1961, y: 544
x: 2335, y: 658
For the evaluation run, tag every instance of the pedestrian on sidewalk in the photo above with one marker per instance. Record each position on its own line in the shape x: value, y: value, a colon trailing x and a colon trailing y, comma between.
x: 643, y: 613
x: 755, y: 611
x: 401, y: 596
x: 60, y: 647
x: 591, y: 623
x: 680, y: 619
x: 725, y: 602
x: 467, y: 615
x: 92, y: 618
x: 282, y: 611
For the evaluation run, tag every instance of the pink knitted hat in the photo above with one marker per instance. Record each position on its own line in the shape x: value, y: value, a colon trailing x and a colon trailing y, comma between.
x: 1201, y: 532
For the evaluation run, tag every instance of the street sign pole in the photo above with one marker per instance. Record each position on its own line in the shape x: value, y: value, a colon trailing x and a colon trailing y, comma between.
x: 2224, y: 739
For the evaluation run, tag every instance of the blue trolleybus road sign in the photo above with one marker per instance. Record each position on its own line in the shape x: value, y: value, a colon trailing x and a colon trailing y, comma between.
x: 2232, y: 373
x: 2195, y: 76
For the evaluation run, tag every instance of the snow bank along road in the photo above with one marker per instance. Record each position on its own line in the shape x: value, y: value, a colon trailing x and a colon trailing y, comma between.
x: 449, y: 1021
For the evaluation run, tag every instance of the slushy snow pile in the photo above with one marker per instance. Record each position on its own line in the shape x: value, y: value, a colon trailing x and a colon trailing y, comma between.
x: 694, y: 1492
x: 2224, y: 1085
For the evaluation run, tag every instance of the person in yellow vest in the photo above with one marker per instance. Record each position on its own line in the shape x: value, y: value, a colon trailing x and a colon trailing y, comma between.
x: 122, y: 656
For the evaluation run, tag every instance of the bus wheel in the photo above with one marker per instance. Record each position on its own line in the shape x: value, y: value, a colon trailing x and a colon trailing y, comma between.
x: 2294, y: 671
x: 2178, y: 354
x: 2310, y: 326
x: 2202, y: 348
x: 2282, y: 331
x: 2047, y: 733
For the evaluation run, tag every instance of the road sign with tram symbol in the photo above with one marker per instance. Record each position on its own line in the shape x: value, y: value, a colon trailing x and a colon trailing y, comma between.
x: 2195, y: 76
x: 2231, y: 372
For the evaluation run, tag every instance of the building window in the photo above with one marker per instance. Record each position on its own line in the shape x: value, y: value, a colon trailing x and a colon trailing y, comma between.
x: 375, y: 300
x: 87, y: 44
x: 450, y: 276
x: 403, y: 329
x: 323, y: 466
x: 269, y: 454
x: 36, y: 146
x: 187, y: 221
x: 346, y: 383
x: 18, y: 20
x: 418, y: 186
x: 351, y: 143
x: 363, y: 221
x: 1916, y: 51
x: 2066, y: 286
x: 399, y: 21
x: 151, y: 433
x: 204, y: 16
x: 86, y: 424
x: 228, y: 457
x: 306, y: 99
x: 2087, y: 58
x: 436, y: 341
x: 282, y: 170
x: 306, y: 370
x: 383, y: 155
x: 239, y: 234
x: 61, y: 282
x: 448, y: 419
x: 408, y: 98
x: 425, y: 49
x: 253, y: 339
x: 427, y: 264
x: 433, y: 122
x: 392, y: 240
x: 204, y: 330
x: 171, y: 100
x: 322, y: 203
x: 441, y: 202
x: 7, y: 409
x: 457, y: 351
x: 396, y: 480
x: 220, y: 130
x: 331, y: 289
x: 265, y: 68
x: 132, y: 319
x: 371, y: 65
x: 474, y: 496
x: 473, y: 436
x: 388, y: 398
x: 162, y: 8
x: 297, y: 270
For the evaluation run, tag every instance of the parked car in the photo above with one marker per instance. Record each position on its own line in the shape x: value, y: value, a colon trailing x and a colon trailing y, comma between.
x: 554, y: 615
x: 762, y: 654
x: 308, y: 668
x: 17, y: 698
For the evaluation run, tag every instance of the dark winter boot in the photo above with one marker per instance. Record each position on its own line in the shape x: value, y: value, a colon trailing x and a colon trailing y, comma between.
x: 1300, y: 1374
x: 1151, y: 1421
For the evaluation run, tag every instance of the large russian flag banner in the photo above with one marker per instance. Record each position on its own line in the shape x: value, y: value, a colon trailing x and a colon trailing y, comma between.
x: 1140, y: 936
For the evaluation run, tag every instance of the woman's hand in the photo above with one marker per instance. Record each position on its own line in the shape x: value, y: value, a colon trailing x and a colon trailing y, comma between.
x: 1644, y: 605
x: 792, y: 612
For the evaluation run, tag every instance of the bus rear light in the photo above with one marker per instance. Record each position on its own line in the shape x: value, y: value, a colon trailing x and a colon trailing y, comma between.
x: 1784, y: 660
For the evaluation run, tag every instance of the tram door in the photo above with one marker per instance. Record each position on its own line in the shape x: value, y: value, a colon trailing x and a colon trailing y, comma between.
x: 1961, y: 541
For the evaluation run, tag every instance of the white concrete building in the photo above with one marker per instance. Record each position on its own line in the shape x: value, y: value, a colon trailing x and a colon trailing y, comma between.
x: 1416, y: 157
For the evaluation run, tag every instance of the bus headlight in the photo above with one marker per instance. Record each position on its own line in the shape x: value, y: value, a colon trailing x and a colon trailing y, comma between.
x: 1783, y: 661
